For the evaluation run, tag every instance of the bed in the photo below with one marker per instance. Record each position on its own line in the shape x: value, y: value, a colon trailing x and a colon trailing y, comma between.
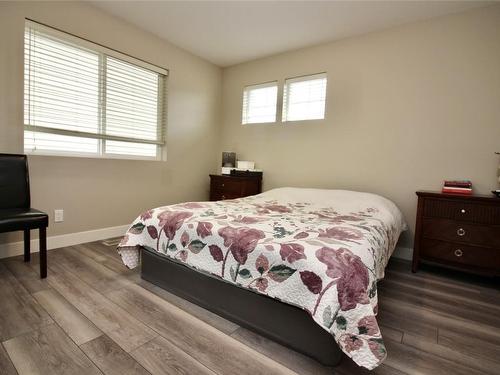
x: 299, y: 266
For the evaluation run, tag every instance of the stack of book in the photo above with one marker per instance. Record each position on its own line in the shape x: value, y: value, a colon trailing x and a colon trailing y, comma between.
x: 458, y: 187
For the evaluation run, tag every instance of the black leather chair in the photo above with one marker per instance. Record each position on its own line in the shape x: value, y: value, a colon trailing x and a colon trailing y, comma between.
x: 15, y: 206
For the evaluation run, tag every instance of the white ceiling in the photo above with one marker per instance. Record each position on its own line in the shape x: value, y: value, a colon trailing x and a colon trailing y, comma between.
x: 231, y: 32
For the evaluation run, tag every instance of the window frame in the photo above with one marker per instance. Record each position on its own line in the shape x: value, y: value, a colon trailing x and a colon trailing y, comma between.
x: 257, y: 86
x: 103, y: 53
x: 285, y: 103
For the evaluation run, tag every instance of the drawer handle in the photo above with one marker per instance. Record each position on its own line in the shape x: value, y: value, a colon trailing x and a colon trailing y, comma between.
x: 461, y: 232
x: 463, y: 211
x: 223, y: 197
x: 222, y: 185
x: 458, y: 253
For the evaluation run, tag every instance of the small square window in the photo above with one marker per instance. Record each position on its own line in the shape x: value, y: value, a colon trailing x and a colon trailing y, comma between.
x: 304, y: 98
x: 259, y: 103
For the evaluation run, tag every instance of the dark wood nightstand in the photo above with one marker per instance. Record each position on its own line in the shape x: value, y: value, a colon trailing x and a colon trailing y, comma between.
x: 232, y: 187
x: 460, y: 232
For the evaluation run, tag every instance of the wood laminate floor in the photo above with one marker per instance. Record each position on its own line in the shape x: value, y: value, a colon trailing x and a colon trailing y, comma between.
x: 93, y: 316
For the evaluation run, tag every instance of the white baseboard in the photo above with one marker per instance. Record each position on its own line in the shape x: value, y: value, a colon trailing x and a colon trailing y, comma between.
x: 405, y: 253
x: 54, y: 242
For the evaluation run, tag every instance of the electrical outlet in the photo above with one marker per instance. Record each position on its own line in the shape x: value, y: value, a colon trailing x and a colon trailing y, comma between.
x: 58, y: 216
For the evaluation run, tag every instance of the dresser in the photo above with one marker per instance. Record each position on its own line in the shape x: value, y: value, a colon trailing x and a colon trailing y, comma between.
x: 232, y: 187
x: 460, y: 232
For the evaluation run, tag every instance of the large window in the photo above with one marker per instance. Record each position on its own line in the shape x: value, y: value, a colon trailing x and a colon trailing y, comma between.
x: 84, y: 99
x: 259, y: 103
x: 304, y: 98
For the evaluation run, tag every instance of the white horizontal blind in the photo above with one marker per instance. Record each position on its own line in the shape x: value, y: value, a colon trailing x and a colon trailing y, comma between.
x: 304, y: 98
x: 259, y: 103
x: 83, y: 99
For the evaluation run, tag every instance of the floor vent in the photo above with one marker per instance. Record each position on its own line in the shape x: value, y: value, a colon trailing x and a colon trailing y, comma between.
x: 112, y: 241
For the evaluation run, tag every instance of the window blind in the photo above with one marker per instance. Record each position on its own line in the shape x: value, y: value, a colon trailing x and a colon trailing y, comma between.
x: 304, y: 98
x: 259, y: 103
x: 84, y: 99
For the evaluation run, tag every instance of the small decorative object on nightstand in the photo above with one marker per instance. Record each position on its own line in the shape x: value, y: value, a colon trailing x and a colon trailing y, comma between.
x: 228, y: 162
x: 458, y: 231
x: 235, y: 186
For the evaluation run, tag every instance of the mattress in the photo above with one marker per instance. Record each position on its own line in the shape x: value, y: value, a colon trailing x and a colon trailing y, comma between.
x: 320, y: 250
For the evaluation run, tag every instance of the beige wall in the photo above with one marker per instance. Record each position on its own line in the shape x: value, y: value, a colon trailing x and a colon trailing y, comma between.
x: 406, y: 108
x: 102, y: 193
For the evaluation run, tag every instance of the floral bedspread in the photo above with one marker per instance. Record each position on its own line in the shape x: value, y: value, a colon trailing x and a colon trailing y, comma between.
x: 320, y: 250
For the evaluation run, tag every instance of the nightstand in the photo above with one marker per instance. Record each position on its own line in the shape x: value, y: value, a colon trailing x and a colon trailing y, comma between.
x: 231, y: 187
x: 459, y: 232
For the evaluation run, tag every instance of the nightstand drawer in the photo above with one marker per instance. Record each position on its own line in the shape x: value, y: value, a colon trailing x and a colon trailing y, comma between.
x: 231, y: 187
x: 449, y: 230
x: 222, y: 196
x: 448, y: 209
x: 460, y: 254
x: 463, y: 211
x: 227, y: 185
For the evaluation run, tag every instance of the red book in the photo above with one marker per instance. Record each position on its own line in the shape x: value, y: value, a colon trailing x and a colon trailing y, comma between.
x: 459, y: 181
x: 456, y: 190
x: 464, y: 184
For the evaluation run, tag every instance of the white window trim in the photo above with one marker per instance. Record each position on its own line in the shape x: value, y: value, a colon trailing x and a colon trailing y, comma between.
x: 247, y: 88
x: 72, y: 154
x: 302, y: 78
x: 95, y: 47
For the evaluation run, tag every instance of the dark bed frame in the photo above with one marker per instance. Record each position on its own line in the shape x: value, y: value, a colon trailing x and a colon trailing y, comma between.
x: 278, y: 321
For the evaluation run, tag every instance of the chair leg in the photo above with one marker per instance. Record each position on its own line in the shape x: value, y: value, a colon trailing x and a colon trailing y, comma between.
x: 27, y: 251
x: 43, y: 253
